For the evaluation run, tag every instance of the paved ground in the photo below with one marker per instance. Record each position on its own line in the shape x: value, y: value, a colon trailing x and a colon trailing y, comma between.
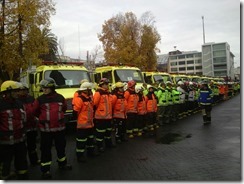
x: 201, y: 153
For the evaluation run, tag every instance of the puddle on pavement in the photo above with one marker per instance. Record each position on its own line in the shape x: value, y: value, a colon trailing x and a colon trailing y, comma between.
x: 169, y: 138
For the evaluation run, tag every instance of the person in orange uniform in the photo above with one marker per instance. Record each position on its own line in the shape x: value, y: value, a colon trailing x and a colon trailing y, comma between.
x: 151, y: 101
x: 12, y: 132
x: 83, y: 109
x: 119, y: 112
x: 132, y: 108
x: 76, y: 94
x: 221, y: 91
x: 142, y: 110
x: 102, y: 99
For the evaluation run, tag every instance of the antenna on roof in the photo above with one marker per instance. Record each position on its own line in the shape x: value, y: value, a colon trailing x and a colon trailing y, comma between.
x: 203, y: 30
x: 79, y: 40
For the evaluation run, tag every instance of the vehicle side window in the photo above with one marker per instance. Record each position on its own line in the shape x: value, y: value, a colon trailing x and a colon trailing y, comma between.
x: 97, y: 77
x: 108, y: 75
x: 148, y: 79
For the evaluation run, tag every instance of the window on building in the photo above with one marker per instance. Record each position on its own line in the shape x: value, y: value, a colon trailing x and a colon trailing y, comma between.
x: 189, y: 56
x: 198, y: 55
x: 219, y: 60
x: 182, y: 69
x: 220, y: 67
x: 174, y: 69
x: 220, y: 73
x: 198, y: 61
x: 172, y: 57
x: 182, y: 62
x: 181, y: 57
x: 219, y: 47
x: 190, y: 68
x: 198, y: 67
x: 173, y: 63
x: 190, y: 62
x: 220, y: 53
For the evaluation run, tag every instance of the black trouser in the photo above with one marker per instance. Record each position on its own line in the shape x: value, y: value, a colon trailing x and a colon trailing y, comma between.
x: 161, y: 114
x: 151, y: 119
x: 31, y: 146
x: 103, y: 132
x: 141, y: 119
x: 131, y: 124
x: 120, y: 128
x: 206, y: 112
x: 46, y: 146
x: 84, y: 139
x: 18, y: 152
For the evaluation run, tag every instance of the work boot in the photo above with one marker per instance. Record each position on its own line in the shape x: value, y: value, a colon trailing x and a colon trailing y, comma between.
x: 38, y: 162
x: 23, y: 176
x: 139, y: 134
x: 92, y: 153
x: 118, y: 140
x: 123, y: 138
x: 46, y: 175
x: 109, y: 144
x: 81, y: 159
x: 101, y: 149
x: 66, y: 167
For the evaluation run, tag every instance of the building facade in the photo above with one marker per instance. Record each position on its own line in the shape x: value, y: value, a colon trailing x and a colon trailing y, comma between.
x: 185, y: 62
x: 215, y: 60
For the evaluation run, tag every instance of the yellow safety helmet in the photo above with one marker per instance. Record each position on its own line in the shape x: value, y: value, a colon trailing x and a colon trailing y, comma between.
x: 10, y: 85
x: 119, y: 84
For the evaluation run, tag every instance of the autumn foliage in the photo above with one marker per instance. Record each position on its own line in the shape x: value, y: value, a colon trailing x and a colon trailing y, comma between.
x: 22, y: 34
x: 128, y: 40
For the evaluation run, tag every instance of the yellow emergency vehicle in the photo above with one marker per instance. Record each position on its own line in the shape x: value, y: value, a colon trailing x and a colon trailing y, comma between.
x: 156, y: 77
x: 67, y: 76
x: 177, y: 77
x: 118, y: 73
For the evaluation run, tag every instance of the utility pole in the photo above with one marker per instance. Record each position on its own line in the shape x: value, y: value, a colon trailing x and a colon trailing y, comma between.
x: 203, y: 30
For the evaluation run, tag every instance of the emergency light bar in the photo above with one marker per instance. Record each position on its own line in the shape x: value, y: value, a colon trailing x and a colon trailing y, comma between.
x: 62, y: 63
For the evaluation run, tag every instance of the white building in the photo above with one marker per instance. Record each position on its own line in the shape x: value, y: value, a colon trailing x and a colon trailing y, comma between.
x: 185, y: 62
x: 217, y: 60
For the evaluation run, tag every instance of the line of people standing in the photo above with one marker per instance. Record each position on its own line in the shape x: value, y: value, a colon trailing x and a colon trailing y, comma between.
x: 18, y: 129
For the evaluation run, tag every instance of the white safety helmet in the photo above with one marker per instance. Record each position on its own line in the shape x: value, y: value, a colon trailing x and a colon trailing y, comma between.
x: 180, y: 83
x: 86, y: 86
x: 190, y: 83
x: 138, y: 89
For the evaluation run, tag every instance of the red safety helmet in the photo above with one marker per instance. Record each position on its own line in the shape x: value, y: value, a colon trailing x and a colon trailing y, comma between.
x: 131, y: 83
x: 103, y: 81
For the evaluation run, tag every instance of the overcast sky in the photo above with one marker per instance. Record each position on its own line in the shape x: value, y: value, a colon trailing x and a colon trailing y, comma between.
x: 179, y: 22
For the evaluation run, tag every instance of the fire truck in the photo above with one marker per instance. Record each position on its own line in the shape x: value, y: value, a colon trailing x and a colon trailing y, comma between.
x: 119, y: 73
x: 156, y: 77
x: 67, y: 76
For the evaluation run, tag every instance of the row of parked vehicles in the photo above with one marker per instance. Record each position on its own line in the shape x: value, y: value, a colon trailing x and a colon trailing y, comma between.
x: 68, y: 75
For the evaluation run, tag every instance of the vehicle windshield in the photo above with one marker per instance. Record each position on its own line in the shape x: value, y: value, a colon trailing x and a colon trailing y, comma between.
x: 196, y: 80
x: 181, y: 78
x: 162, y: 78
x: 127, y: 75
x: 67, y: 78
